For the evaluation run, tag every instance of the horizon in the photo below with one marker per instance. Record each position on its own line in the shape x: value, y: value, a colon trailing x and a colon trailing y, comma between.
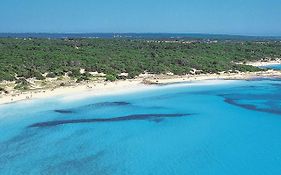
x: 140, y: 33
x: 251, y: 18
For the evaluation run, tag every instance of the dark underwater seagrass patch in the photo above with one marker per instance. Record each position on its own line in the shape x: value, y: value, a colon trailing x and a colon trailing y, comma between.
x: 149, y: 117
x: 91, y: 106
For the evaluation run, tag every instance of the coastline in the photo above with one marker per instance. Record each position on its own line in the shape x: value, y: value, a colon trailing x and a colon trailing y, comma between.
x: 101, y: 88
x: 162, y: 80
x: 265, y: 63
x: 76, y: 91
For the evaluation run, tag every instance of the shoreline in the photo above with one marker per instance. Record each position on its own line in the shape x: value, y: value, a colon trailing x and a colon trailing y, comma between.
x: 163, y: 80
x: 83, y: 90
x: 76, y: 91
x: 264, y: 63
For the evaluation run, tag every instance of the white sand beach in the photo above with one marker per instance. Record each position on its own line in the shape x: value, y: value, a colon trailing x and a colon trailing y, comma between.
x: 76, y: 91
x: 265, y: 63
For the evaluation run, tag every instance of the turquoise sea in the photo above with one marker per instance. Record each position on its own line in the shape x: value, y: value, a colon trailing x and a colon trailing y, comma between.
x: 206, y: 128
x: 273, y: 66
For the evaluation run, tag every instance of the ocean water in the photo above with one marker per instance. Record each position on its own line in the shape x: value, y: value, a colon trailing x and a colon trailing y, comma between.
x: 273, y: 66
x: 210, y: 128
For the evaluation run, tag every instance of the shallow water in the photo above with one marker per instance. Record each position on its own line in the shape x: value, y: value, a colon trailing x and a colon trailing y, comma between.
x: 273, y: 66
x: 219, y: 129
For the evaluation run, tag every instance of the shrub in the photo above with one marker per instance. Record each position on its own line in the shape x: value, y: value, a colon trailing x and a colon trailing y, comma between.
x: 3, y: 90
x: 110, y: 78
x: 74, y: 73
x: 6, y: 76
x: 133, y: 74
x: 82, y: 78
x: 39, y: 76
x: 51, y: 75
x: 22, y: 84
